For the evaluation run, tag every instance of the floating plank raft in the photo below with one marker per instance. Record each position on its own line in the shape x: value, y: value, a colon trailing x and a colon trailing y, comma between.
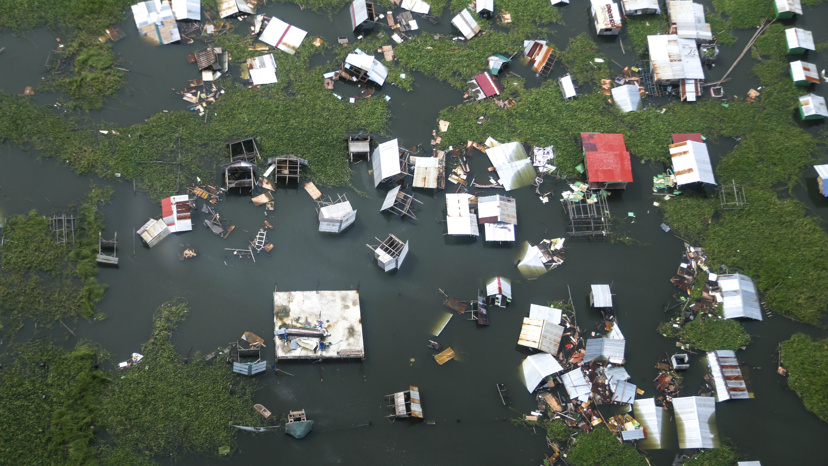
x: 444, y: 356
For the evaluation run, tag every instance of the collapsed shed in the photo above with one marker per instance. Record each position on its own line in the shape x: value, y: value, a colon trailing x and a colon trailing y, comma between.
x: 337, y: 216
x: 739, y: 297
x: 484, y: 85
x: 608, y: 164
x: 429, y: 172
x: 156, y: 22
x: 696, y: 421
x: 399, y: 203
x: 243, y: 149
x: 283, y: 36
x: 496, y: 63
x: 417, y: 6
x: 727, y: 376
x: 537, y: 367
x: 239, y: 174
x: 513, y: 166
x: 687, y: 20
x: 262, y: 70
x: 363, y: 14
x: 567, y: 86
x: 600, y: 296
x: 577, y: 386
x: 406, y: 404
x: 229, y: 8
x: 359, y: 67
x: 390, y: 253
x: 466, y: 24
x: 485, y: 8
x: 186, y: 10
x: 287, y: 167
x: 460, y: 221
x: 498, y: 215
x: 691, y: 163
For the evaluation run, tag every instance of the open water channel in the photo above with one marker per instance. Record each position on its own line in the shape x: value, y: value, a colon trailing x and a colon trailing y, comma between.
x: 400, y: 310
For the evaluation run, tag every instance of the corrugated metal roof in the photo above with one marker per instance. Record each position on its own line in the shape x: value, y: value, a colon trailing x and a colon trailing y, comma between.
x: 627, y: 97
x: 600, y: 296
x: 417, y: 6
x: 547, y: 313
x: 390, y: 198
x: 800, y: 38
x: 696, y: 421
x: 485, y: 81
x: 789, y: 5
x: 651, y: 418
x: 513, y: 167
x: 540, y: 334
x: 739, y: 297
x: 607, y: 158
x: 813, y: 104
x: 426, y: 172
x: 497, y: 208
x: 632, y: 7
x: 822, y: 171
x: 533, y: 263
x: 576, y: 384
x: 175, y: 211
x: 459, y: 219
x: 499, y: 231
x: 537, y: 367
x: 262, y: 69
x: 605, y: 348
x: 606, y: 14
x: 336, y: 217
x: 687, y: 18
x: 499, y: 285
x: 377, y: 72
x: 155, y: 21
x: 538, y: 53
x: 359, y: 13
x: 673, y: 58
x: 386, y: 161
x: 804, y: 71
x: 233, y: 7
x: 727, y: 376
x: 616, y: 373
x: 283, y: 36
x: 186, y: 9
x: 567, y: 86
x: 484, y: 5
x: 623, y: 392
x: 691, y: 163
x: 466, y: 24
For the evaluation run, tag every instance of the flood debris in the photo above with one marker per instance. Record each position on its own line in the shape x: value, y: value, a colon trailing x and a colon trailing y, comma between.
x: 400, y: 203
x: 541, y: 258
x: 405, y: 404
x: 188, y: 253
x: 444, y: 356
x: 239, y: 174
x: 335, y: 215
x: 466, y: 24
x: 362, y: 68
x: 246, y: 355
x: 155, y: 22
x: 542, y: 57
x: 135, y: 359
x: 390, y: 253
x: 113, y: 33
x: 228, y: 8
x: 262, y: 410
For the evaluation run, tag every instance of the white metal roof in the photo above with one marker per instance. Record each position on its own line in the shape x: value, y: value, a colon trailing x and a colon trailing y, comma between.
x: 262, y: 69
x: 497, y: 208
x: 359, y: 13
x: 426, y: 172
x: 822, y: 171
x: 485, y: 5
x: 804, y: 71
x: 567, y: 86
x: 377, y: 72
x: 547, y: 313
x: 739, y: 297
x: 607, y: 15
x: 186, y: 9
x: 499, y: 231
x: 537, y: 367
x: 623, y: 392
x: 576, y: 384
x: 688, y: 19
x: 696, y: 422
x: 674, y: 58
x: 390, y: 198
x: 459, y: 219
x: 386, y: 161
x: 627, y: 97
x: 813, y: 104
x: 800, y: 38
x: 466, y: 24
x: 513, y: 166
x: 727, y: 376
x: 651, y: 418
x: 533, y: 263
x: 789, y: 5
x: 601, y: 296
x: 615, y: 373
x: 231, y: 7
x: 499, y: 285
x: 417, y: 6
x: 155, y: 21
x: 540, y: 334
x: 691, y: 163
x: 634, y: 6
x: 336, y: 211
x: 283, y: 36
x: 610, y: 349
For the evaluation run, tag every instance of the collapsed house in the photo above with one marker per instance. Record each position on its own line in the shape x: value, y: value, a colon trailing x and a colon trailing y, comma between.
x: 239, y: 174
x: 541, y: 258
x: 513, y: 166
x: 739, y: 297
x: 484, y: 85
x: 156, y: 22
x: 153, y: 232
x: 334, y: 217
x: 497, y: 63
x: 466, y: 24
x: 485, y: 8
x: 429, y: 172
x: 282, y: 36
x: 361, y: 68
x: 675, y: 61
x: 498, y: 215
x: 686, y: 20
x: 608, y: 164
x: 247, y: 359
x: 175, y: 211
x: 540, y: 331
x: 567, y: 86
x: 390, y: 253
x: 417, y: 6
x: 228, y: 8
x: 460, y: 221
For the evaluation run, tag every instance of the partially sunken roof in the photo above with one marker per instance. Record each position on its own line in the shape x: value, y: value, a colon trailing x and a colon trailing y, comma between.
x: 234, y: 7
x: 600, y: 296
x: 607, y: 158
x: 386, y: 161
x: 513, y: 166
x: 673, y: 58
x: 283, y: 36
x: 537, y: 367
x: 627, y: 97
x: 804, y: 72
x: 540, y: 334
x: 576, y: 384
x: 651, y: 418
x: 262, y: 69
x: 417, y: 6
x: 739, y: 297
x: 608, y: 349
x: 696, y: 421
x: 793, y: 6
x: 377, y: 72
x: 499, y: 285
x: 466, y: 24
x: 547, y: 313
x: 812, y: 105
x: 155, y: 21
x: 691, y: 163
x: 727, y: 376
x: 186, y: 9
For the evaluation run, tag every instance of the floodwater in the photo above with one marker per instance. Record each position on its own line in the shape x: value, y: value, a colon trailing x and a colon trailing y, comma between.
x: 400, y: 310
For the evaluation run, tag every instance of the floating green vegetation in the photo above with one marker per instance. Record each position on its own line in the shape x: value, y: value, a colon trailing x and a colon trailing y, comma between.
x: 580, y: 59
x: 722, y: 456
x: 600, y: 446
x: 720, y: 27
x: 167, y: 407
x: 92, y: 76
x: 330, y: 6
x: 454, y: 62
x: 712, y: 333
x: 745, y: 14
x: 46, y: 281
x: 88, y: 15
x: 557, y: 430
x: 49, y: 404
x: 806, y: 360
x: 529, y: 12
x: 639, y: 27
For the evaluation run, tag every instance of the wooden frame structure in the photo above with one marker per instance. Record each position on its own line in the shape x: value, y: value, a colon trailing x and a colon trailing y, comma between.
x: 400, y: 203
x: 588, y: 218
x: 359, y: 146
x: 732, y: 196
x: 243, y: 149
x: 238, y: 354
x: 390, y: 253
x: 287, y: 167
x: 107, y: 250
x: 64, y: 225
x: 239, y: 174
x: 406, y: 404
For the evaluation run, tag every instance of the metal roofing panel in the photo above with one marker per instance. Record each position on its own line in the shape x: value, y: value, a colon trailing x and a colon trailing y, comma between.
x: 794, y: 6
x: 800, y: 38
x: 616, y: 373
x: 459, y: 219
x: 513, y: 167
x: 485, y: 81
x: 651, y: 418
x: 186, y: 9
x: 533, y: 263
x: 484, y: 5
x: 549, y: 314
x: 623, y: 392
x: 635, y: 6
x: 426, y: 172
x: 627, y: 97
x: 537, y: 367
x: 605, y: 348
x: 673, y: 58
x: 499, y: 285
x: 804, y: 71
x: 499, y: 231
x: 696, y: 421
x: 567, y: 86
x: 497, y: 208
x: 633, y: 434
x: 336, y: 211
x: 822, y: 171
x: 550, y: 340
x: 601, y: 296
x: 390, y: 198
x: 739, y: 297
x: 417, y: 6
x: 607, y: 159
x: 466, y: 24
x: 540, y: 334
x: 813, y: 104
x: 359, y: 13
x: 156, y: 22
x: 282, y: 35
x: 576, y: 384
x: 727, y: 376
x: 232, y: 7
x: 691, y: 163
x: 262, y: 69
x: 386, y: 161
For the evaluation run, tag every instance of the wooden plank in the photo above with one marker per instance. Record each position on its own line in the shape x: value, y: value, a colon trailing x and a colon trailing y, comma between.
x: 445, y: 356
x: 311, y: 189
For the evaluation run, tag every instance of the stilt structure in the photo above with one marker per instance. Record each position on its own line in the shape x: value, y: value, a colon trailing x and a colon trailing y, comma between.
x: 588, y: 218
x: 243, y: 149
x: 359, y: 146
x: 107, y: 250
x: 406, y: 404
x: 64, y: 227
x: 390, y: 253
x: 732, y: 196
x: 287, y: 167
x: 399, y: 203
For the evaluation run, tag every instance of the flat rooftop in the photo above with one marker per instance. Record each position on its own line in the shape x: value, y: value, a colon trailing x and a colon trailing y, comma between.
x: 340, y: 316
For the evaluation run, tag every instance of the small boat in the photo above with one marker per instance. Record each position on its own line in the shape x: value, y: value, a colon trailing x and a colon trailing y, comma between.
x: 262, y: 410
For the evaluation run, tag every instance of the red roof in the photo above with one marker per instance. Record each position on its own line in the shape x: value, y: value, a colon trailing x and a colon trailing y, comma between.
x: 167, y: 211
x: 607, y: 158
x: 681, y: 137
x: 487, y: 84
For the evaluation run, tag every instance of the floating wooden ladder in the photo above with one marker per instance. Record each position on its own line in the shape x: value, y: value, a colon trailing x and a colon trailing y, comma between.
x: 260, y: 241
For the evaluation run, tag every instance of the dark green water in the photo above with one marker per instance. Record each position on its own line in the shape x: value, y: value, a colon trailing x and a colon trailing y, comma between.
x: 399, y: 310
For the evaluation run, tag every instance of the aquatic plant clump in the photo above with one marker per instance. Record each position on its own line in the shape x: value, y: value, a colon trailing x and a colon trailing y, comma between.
x: 600, y: 446
x: 711, y: 333
x: 806, y: 360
